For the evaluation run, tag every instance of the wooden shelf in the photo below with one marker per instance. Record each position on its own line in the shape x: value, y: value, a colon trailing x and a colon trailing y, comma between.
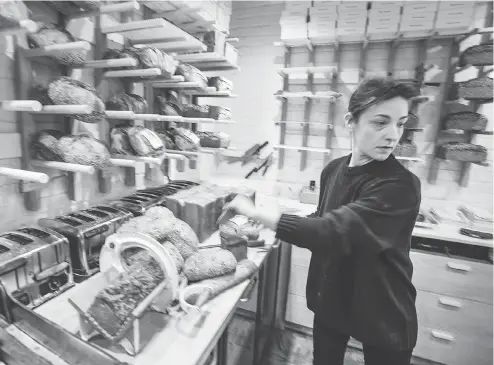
x: 24, y: 26
x: 65, y: 109
x: 207, y: 61
x: 21, y: 105
x: 325, y: 71
x: 107, y: 9
x: 63, y: 166
x: 147, y: 117
x: 183, y: 153
x: 408, y: 36
x: 157, y: 33
x: 119, y: 114
x: 182, y: 85
x: 187, y: 15
x: 123, y: 162
x: 410, y: 159
x: 147, y: 160
x: 213, y: 94
x: 308, y: 149
x: 177, y: 119
x: 462, y: 132
x: 56, y: 49
x: 152, y: 73
x: 327, y: 125
x: 24, y: 175
x: 331, y: 96
x: 117, y: 62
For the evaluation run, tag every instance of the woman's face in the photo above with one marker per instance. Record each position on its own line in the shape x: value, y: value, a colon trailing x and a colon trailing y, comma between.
x: 379, y: 129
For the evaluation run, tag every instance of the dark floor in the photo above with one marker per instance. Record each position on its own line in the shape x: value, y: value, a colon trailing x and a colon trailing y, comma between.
x: 287, y: 347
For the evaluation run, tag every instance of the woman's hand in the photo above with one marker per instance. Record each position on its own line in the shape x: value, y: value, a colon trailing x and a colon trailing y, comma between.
x: 243, y: 206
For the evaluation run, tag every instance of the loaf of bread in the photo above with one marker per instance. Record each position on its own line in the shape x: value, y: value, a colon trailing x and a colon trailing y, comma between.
x: 113, y: 306
x: 209, y: 263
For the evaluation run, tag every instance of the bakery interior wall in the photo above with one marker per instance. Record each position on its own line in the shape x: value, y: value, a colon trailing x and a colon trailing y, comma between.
x: 54, y: 194
x: 256, y: 24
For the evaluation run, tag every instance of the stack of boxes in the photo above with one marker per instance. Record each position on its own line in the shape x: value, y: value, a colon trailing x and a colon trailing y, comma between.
x: 418, y: 18
x: 293, y: 20
x: 384, y: 19
x: 455, y: 17
x: 352, y: 20
x: 322, y: 20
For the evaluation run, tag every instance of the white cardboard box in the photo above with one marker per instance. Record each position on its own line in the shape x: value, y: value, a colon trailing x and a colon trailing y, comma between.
x: 416, y: 26
x: 332, y: 7
x: 297, y: 5
x: 352, y: 6
x: 385, y: 4
x: 411, y: 7
x: 329, y: 26
x: 354, y: 14
x: 418, y: 17
x: 329, y: 14
x: 384, y: 12
x: 460, y: 22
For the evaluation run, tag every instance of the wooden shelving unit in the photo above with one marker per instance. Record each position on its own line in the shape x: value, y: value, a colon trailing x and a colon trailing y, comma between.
x: 443, y: 135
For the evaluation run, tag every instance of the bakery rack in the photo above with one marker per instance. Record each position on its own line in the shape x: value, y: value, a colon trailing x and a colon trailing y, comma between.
x: 171, y: 38
x: 443, y: 135
x: 330, y: 72
x: 27, y: 109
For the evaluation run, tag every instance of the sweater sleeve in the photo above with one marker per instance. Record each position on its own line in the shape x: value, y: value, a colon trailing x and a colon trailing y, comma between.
x: 373, y: 222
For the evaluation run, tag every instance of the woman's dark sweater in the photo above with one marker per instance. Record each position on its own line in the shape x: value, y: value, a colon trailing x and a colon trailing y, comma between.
x: 360, y: 272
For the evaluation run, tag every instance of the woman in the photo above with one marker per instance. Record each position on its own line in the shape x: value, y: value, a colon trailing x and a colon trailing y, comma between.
x: 359, y: 281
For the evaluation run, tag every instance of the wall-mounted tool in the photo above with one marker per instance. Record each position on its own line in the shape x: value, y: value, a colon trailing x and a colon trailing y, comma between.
x: 249, y: 155
x: 268, y: 161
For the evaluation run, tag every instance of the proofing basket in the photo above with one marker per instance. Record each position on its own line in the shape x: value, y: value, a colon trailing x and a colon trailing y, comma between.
x: 478, y: 55
x: 412, y: 121
x: 474, y: 89
x: 192, y: 74
x: 220, y: 83
x: 467, y: 121
x: 465, y: 152
x: 196, y: 111
x: 214, y: 140
x: 219, y: 113
x: 406, y: 149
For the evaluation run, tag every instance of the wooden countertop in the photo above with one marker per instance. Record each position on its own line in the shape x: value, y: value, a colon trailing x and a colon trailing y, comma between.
x: 441, y: 231
x: 450, y: 232
x: 169, y: 346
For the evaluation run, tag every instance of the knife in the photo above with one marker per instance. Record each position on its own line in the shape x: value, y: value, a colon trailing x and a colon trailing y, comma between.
x: 253, y: 152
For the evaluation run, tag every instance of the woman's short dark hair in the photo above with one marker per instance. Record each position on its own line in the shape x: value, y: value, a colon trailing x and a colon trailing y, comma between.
x: 372, y: 91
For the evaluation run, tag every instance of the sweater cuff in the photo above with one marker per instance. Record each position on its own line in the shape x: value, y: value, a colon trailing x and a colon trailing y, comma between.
x: 288, y: 228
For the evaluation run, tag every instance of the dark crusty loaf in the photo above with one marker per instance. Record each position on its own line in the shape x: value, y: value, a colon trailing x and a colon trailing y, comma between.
x: 115, y: 303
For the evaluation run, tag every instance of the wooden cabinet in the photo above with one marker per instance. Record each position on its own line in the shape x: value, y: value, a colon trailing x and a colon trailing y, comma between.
x: 454, y: 307
x: 454, y: 304
x: 452, y: 276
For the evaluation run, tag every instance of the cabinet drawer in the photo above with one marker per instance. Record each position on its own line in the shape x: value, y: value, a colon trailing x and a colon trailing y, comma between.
x: 453, y: 331
x: 456, y: 316
x: 460, y: 350
x: 452, y: 277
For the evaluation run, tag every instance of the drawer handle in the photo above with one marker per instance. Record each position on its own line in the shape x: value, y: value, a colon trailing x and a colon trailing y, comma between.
x: 441, y: 335
x: 450, y: 302
x: 459, y: 267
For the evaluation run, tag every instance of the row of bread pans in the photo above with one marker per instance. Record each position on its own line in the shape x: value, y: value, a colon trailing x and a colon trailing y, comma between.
x: 139, y: 202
